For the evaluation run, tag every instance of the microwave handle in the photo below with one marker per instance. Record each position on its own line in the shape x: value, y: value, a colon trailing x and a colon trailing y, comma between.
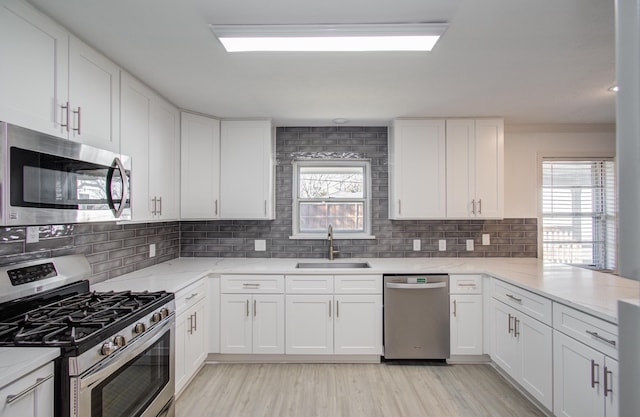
x: 117, y: 164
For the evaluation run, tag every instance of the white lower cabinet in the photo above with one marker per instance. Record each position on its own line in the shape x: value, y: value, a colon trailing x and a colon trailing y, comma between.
x: 252, y: 323
x: 191, y: 332
x: 309, y: 324
x: 466, y: 324
x: 522, y: 347
x: 37, y: 400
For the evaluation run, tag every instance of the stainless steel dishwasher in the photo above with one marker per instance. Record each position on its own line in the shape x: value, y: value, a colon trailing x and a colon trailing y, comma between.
x: 416, y: 317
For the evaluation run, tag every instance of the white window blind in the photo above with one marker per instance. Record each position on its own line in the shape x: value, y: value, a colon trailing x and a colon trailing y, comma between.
x: 578, y: 212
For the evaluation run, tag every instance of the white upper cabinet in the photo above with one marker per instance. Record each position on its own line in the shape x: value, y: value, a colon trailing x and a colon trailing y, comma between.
x: 200, y: 167
x: 53, y: 83
x: 149, y: 135
x: 475, y: 168
x: 33, y: 84
x: 246, y: 170
x: 417, y: 170
x: 94, y: 97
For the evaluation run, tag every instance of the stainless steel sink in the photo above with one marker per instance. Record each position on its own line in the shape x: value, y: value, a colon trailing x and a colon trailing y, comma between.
x: 332, y: 265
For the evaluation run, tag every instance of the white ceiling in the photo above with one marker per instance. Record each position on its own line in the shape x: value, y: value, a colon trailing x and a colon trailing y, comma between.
x: 543, y: 61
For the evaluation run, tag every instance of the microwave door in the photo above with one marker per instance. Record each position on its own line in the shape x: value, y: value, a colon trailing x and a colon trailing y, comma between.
x: 117, y: 188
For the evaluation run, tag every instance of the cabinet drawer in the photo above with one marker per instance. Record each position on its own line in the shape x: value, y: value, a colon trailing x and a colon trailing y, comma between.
x: 309, y: 284
x: 358, y: 284
x: 465, y: 284
x: 254, y: 284
x: 190, y: 295
x: 37, y: 387
x: 525, y: 301
x: 594, y: 332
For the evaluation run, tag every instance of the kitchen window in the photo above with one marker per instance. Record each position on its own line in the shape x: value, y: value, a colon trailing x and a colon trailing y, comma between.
x: 579, y: 212
x: 331, y: 192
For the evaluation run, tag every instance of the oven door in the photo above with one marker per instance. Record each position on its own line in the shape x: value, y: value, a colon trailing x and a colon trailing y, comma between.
x: 137, y: 382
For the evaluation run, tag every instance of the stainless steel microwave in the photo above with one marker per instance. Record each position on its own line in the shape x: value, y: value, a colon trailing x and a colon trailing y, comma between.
x: 48, y: 180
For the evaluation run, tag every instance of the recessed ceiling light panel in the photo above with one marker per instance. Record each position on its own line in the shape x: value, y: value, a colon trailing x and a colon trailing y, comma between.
x: 326, y: 38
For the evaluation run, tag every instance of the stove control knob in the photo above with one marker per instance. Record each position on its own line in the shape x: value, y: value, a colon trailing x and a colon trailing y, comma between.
x: 164, y: 312
x: 156, y: 317
x: 107, y: 348
x: 119, y: 341
x: 139, y: 328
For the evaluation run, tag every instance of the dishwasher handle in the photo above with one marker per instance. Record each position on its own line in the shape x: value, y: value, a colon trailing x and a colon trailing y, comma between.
x: 401, y: 286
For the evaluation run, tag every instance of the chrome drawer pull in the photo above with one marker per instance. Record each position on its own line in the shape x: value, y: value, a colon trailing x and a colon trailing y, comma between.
x: 254, y: 285
x: 466, y: 285
x: 597, y: 336
x: 455, y: 308
x: 514, y: 298
x: 191, y: 296
x: 39, y: 381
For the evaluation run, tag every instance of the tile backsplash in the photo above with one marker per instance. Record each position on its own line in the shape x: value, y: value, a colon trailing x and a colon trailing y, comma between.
x: 114, y: 249
x: 234, y: 238
x: 111, y: 249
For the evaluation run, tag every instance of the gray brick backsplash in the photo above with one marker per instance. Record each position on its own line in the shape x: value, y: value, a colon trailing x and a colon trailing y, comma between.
x: 393, y: 238
x: 114, y: 249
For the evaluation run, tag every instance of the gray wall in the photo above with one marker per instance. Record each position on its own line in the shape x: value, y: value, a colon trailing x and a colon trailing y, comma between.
x: 509, y: 237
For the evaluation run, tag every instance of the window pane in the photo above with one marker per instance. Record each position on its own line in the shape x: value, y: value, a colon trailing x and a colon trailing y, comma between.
x: 331, y: 182
x: 578, y: 212
x: 342, y: 216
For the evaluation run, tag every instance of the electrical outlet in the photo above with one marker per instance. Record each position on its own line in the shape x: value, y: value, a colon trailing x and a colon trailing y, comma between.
x: 152, y: 250
x: 469, y: 244
x: 260, y: 245
x: 416, y: 244
x: 486, y: 239
x: 442, y: 245
x: 33, y: 234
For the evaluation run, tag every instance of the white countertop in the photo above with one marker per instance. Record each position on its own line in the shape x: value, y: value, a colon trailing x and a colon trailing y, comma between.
x: 16, y: 362
x: 593, y: 292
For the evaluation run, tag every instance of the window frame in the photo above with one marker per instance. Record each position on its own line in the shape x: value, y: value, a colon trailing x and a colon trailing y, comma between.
x: 365, y: 164
x: 576, y: 157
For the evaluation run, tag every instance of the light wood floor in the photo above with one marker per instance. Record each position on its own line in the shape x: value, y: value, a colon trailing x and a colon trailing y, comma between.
x: 351, y: 390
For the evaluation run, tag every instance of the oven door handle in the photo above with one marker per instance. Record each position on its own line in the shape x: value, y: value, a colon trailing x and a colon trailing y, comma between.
x: 125, y: 354
x: 117, y: 164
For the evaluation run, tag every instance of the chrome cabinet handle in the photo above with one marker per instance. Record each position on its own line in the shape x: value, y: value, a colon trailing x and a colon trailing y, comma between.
x: 65, y: 114
x: 510, y: 328
x: 399, y: 206
x: 455, y: 307
x: 473, y: 206
x: 516, y: 332
x: 337, y: 309
x: 39, y: 381
x: 607, y: 386
x: 160, y: 204
x: 602, y: 339
x: 216, y: 208
x: 191, y: 296
x: 514, y: 298
x: 247, y: 308
x: 255, y: 310
x: 265, y: 207
x: 190, y: 318
x: 251, y: 284
x: 467, y: 285
x: 195, y: 321
x: 330, y: 308
x: 480, y: 206
x: 154, y: 211
x: 78, y: 112
x: 594, y: 365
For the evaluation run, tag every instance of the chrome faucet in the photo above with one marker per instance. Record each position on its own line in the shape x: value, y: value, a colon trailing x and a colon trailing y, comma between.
x: 330, y: 238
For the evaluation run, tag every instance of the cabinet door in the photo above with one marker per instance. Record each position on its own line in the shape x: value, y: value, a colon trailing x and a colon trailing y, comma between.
x: 135, y: 131
x: 417, y: 170
x: 236, y: 334
x: 164, y: 173
x: 489, y: 168
x: 268, y: 324
x: 94, y: 97
x: 610, y: 387
x: 505, y: 346
x: 34, y: 69
x: 196, y: 339
x: 358, y: 325
x: 460, y: 167
x: 309, y: 324
x: 36, y: 403
x: 577, y: 383
x: 246, y: 170
x: 466, y: 324
x: 536, y: 362
x: 200, y: 167
x: 181, y: 351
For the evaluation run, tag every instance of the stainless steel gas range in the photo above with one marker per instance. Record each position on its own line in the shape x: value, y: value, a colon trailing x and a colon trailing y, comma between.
x: 117, y: 348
